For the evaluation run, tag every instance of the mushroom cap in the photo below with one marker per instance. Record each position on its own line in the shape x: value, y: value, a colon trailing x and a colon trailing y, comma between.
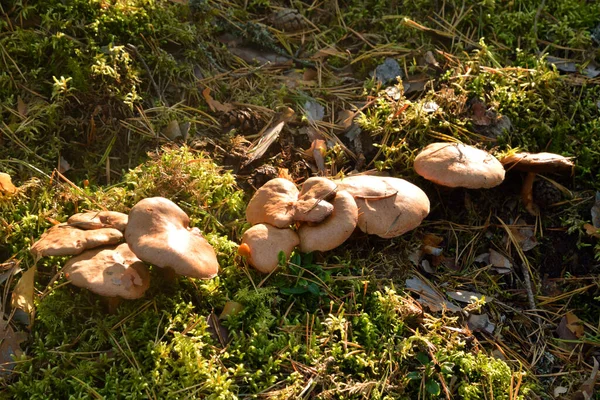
x: 459, y: 165
x: 312, y: 204
x: 273, y: 203
x: 66, y: 240
x: 387, y: 207
x: 99, y: 219
x: 158, y: 233
x: 335, y: 229
x: 538, y: 162
x: 109, y: 271
x: 264, y: 242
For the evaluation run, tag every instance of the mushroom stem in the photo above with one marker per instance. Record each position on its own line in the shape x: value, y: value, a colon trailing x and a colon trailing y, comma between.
x: 113, y: 304
x: 527, y: 194
x: 169, y: 275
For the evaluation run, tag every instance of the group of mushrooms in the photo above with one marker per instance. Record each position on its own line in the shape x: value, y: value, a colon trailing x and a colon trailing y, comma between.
x: 156, y: 232
x: 111, y: 249
x: 326, y: 212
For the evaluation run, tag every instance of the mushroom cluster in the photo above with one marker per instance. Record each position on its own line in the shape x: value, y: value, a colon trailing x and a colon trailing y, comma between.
x: 326, y: 213
x: 156, y: 232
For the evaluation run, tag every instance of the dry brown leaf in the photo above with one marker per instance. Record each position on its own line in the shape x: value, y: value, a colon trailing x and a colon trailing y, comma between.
x: 586, y: 390
x: 500, y: 263
x: 570, y: 327
x: 22, y: 107
x: 310, y: 74
x: 6, y: 185
x: 317, y: 151
x: 480, y: 323
x: 591, y: 231
x: 525, y: 236
x: 214, y: 104
x: 429, y: 297
x: 345, y: 118
x: 217, y: 330
x: 266, y: 140
x: 23, y: 294
x: 9, y: 346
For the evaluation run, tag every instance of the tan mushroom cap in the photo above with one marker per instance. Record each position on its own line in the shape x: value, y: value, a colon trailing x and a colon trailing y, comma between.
x: 312, y: 204
x: 538, y: 162
x: 387, y: 207
x: 66, y: 240
x: 109, y: 271
x: 158, y: 232
x: 99, y: 219
x: 459, y: 165
x: 262, y: 243
x: 335, y: 229
x: 273, y: 203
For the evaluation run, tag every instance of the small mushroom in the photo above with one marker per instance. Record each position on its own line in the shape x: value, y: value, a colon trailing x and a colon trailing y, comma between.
x: 273, y: 204
x: 158, y: 232
x: 387, y: 207
x: 534, y: 164
x: 312, y: 204
x: 459, y: 165
x: 99, y: 219
x: 109, y: 271
x: 335, y: 229
x: 66, y: 240
x: 262, y: 243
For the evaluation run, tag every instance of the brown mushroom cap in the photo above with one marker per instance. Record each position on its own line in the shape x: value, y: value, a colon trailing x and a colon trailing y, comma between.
x: 99, y: 219
x: 273, y: 203
x: 66, y: 240
x: 109, y: 271
x: 387, y: 207
x: 158, y: 233
x: 262, y: 243
x: 538, y: 162
x: 312, y: 204
x: 335, y: 229
x: 459, y: 165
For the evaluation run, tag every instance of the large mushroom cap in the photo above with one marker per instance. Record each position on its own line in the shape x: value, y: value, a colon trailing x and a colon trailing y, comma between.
x: 538, y: 162
x: 312, y: 204
x: 262, y: 243
x: 459, y: 165
x: 99, y: 219
x: 158, y: 233
x: 66, y: 240
x: 335, y: 229
x: 273, y: 203
x: 109, y: 271
x: 387, y: 207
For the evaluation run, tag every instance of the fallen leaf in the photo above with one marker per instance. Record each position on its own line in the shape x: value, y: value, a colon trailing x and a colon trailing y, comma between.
x: 328, y: 52
x: 345, y: 118
x: 63, y: 165
x: 388, y: 71
x: 430, y: 107
x: 310, y: 74
x: 427, y: 267
x: 480, y: 323
x: 415, y: 83
x: 525, y: 236
x: 313, y: 110
x: 172, y: 131
x: 586, y: 390
x: 483, y: 258
x: 255, y: 56
x: 464, y: 296
x: 570, y: 327
x: 258, y: 149
x: 430, y: 59
x: 23, y: 293
x: 559, y: 390
x: 22, y: 107
x: 9, y: 346
x: 217, y: 330
x: 500, y: 263
x: 317, y: 151
x: 591, y: 231
x: 429, y: 297
x: 564, y: 65
x: 6, y: 185
x: 215, y: 105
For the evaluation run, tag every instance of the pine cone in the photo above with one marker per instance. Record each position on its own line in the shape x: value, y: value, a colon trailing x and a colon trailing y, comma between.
x: 288, y: 20
x: 242, y: 119
x: 545, y: 193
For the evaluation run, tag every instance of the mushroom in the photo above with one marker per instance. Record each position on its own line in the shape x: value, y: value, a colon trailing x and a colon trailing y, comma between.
x: 335, y: 229
x: 534, y: 164
x: 273, y: 203
x: 262, y: 243
x: 387, y: 207
x: 158, y: 232
x: 66, y: 240
x: 459, y: 165
x: 312, y: 204
x: 113, y: 272
x: 99, y: 219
